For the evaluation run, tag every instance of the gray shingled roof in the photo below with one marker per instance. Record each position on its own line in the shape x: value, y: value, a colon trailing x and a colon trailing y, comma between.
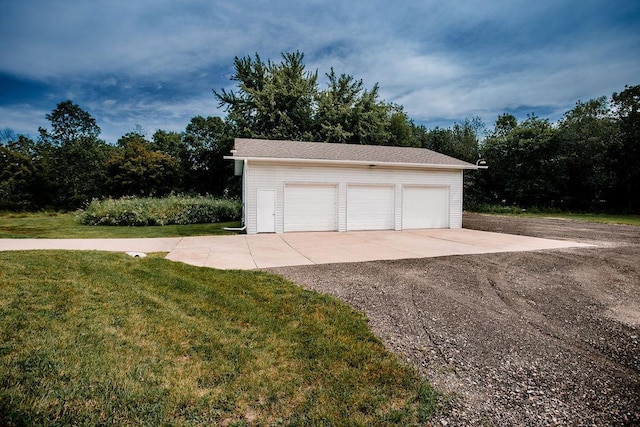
x: 270, y: 149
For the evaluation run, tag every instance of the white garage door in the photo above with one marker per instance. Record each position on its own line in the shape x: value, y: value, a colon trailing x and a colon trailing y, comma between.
x: 425, y: 207
x: 370, y: 207
x: 310, y: 207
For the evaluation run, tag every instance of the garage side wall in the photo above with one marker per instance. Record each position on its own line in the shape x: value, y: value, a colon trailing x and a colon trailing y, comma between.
x: 274, y: 176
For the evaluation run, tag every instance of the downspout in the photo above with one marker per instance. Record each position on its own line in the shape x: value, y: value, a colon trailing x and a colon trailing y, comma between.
x: 244, y: 197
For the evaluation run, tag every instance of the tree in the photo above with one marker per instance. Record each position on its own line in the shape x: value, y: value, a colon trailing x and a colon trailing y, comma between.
x: 523, y: 165
x: 401, y: 128
x: 207, y: 140
x: 73, y: 156
x: 274, y: 100
x: 505, y: 124
x: 466, y: 137
x: 586, y: 134
x: 370, y: 119
x: 171, y: 144
x: 135, y: 169
x: 335, y: 106
x: 627, y: 154
x: 69, y: 124
x: 461, y: 141
x: 282, y: 101
x: 346, y: 112
x: 18, y: 174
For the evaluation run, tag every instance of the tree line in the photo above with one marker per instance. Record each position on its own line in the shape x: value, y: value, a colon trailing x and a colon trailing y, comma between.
x: 69, y: 165
x: 589, y: 160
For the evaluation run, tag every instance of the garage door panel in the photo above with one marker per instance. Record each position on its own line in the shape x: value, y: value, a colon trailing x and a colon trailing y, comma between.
x: 425, y: 207
x: 310, y: 207
x: 370, y: 207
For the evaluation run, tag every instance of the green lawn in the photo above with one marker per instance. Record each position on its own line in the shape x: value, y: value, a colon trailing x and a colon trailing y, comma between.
x: 92, y: 338
x: 64, y: 225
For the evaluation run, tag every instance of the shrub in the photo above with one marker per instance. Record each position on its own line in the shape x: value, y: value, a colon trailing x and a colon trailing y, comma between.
x: 142, y: 211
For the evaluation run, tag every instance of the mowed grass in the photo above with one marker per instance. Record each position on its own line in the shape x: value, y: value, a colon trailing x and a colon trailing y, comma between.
x: 51, y: 225
x: 90, y: 338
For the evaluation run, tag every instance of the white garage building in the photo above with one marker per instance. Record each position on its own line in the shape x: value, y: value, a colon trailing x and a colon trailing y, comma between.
x: 313, y: 186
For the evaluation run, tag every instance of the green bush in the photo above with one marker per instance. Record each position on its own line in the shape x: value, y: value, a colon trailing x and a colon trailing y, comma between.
x: 142, y: 211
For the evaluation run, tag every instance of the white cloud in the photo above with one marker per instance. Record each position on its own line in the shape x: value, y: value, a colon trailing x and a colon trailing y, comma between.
x: 23, y: 119
x: 118, y: 118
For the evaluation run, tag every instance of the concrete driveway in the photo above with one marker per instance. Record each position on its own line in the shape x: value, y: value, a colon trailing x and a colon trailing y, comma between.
x: 276, y: 250
x: 279, y: 250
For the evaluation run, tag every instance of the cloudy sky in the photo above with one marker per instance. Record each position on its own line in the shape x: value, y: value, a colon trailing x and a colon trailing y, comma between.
x: 154, y: 63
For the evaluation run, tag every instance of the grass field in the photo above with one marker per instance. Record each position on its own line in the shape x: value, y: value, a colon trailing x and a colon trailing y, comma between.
x: 105, y: 339
x: 591, y: 217
x: 600, y: 218
x: 64, y: 225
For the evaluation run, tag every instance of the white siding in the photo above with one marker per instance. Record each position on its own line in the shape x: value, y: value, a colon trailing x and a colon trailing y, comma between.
x: 267, y: 175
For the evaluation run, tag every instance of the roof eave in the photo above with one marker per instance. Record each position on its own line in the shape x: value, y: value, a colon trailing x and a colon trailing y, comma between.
x: 356, y: 163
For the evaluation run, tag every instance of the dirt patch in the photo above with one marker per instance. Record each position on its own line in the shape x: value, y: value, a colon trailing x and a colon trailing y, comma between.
x: 528, y: 338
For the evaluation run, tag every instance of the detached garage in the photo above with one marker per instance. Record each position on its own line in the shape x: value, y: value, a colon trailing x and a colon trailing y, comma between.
x: 293, y: 186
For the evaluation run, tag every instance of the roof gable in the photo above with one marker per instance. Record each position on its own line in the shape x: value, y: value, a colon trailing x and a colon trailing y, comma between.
x: 343, y: 153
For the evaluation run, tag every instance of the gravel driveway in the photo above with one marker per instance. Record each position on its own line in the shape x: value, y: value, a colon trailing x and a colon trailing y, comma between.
x: 529, y: 338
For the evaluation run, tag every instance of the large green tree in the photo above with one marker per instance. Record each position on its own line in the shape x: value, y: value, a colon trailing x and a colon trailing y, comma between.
x: 69, y: 124
x: 273, y: 100
x: 627, y: 154
x: 207, y: 140
x: 72, y: 156
x: 585, y: 136
x: 462, y: 140
x: 336, y: 108
x: 171, y: 144
x: 346, y: 112
x: 136, y: 169
x: 281, y: 100
x: 523, y: 164
x: 19, y: 174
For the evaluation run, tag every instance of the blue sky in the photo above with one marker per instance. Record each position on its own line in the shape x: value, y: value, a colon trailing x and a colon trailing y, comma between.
x: 154, y: 63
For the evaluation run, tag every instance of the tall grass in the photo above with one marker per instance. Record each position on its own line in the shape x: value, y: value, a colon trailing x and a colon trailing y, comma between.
x: 56, y: 225
x: 142, y: 211
x: 91, y: 338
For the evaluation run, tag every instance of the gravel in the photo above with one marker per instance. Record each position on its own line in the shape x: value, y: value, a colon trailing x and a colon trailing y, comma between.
x: 529, y: 338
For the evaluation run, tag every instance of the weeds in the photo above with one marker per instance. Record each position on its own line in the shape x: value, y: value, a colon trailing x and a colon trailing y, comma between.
x: 48, y: 225
x: 180, y: 210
